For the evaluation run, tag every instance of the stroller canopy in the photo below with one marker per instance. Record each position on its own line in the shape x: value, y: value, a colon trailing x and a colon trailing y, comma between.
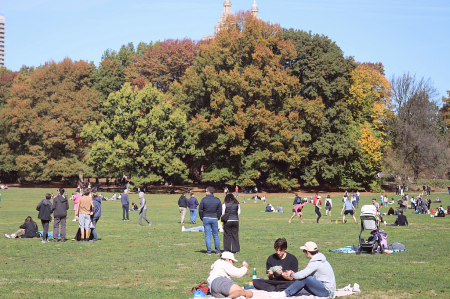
x: 368, y: 210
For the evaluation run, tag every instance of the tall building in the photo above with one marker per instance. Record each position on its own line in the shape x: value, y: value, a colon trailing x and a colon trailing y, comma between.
x: 2, y: 40
x: 227, y: 11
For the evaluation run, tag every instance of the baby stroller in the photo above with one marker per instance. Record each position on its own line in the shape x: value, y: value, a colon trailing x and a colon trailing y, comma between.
x: 369, y: 221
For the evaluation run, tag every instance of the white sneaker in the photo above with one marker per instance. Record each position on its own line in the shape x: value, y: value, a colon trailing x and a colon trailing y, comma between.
x: 385, y: 223
x: 182, y: 228
x: 74, y: 220
x: 356, y: 288
x: 278, y: 294
x: 13, y: 235
x: 8, y: 236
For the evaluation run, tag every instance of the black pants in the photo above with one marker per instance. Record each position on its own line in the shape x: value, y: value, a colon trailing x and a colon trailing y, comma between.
x: 318, y: 214
x: 231, y: 236
x: 125, y: 209
x: 56, y: 228
x: 45, y: 224
x: 272, y: 285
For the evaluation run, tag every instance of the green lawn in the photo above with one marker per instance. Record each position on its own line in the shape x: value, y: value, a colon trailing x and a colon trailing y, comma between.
x: 162, y: 262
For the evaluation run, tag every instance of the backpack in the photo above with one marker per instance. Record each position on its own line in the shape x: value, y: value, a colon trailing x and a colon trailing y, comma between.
x: 328, y: 204
x: 203, y: 286
x: 299, y: 200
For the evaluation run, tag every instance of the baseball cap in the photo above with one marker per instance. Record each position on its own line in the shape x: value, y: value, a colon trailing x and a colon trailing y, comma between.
x: 228, y: 255
x: 310, y: 246
x: 319, y: 196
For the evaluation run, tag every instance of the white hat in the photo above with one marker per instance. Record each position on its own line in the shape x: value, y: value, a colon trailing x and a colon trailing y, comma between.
x: 310, y: 246
x: 228, y: 255
x: 319, y: 196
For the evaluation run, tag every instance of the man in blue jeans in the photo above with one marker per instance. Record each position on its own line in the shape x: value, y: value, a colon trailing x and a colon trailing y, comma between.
x: 210, y: 210
x: 317, y: 278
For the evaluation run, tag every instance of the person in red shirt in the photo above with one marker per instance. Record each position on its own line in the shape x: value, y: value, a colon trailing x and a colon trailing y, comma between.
x: 236, y: 190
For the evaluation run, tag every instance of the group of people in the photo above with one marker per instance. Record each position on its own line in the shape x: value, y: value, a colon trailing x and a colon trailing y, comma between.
x: 87, y: 212
x: 283, y: 278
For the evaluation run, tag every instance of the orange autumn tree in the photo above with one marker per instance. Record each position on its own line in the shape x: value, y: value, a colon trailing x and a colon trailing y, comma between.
x: 43, y: 118
x: 241, y: 100
x: 370, y: 104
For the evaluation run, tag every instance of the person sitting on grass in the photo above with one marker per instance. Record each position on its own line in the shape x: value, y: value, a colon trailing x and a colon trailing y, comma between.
x: 317, y: 278
x: 400, y: 221
x: 349, y: 209
x: 134, y: 207
x: 220, y: 278
x: 280, y: 208
x: 297, y: 210
x: 29, y: 230
x: 276, y: 264
x: 391, y: 212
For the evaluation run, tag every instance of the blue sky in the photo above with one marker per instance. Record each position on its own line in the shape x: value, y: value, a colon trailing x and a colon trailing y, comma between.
x: 406, y: 36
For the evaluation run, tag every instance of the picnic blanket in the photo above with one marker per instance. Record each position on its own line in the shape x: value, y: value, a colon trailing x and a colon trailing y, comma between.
x: 353, y: 249
x: 348, y: 290
x: 49, y: 234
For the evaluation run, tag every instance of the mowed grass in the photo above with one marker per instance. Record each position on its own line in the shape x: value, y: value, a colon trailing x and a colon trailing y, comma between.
x: 162, y: 262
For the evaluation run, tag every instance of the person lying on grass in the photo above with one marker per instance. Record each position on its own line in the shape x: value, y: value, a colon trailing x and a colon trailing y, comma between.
x: 220, y: 278
x: 317, y: 278
x: 277, y: 265
x: 29, y: 228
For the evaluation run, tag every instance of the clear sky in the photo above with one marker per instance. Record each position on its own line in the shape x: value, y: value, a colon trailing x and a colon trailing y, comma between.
x: 406, y: 36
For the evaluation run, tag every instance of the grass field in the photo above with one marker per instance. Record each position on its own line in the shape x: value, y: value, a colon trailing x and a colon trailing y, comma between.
x: 162, y: 262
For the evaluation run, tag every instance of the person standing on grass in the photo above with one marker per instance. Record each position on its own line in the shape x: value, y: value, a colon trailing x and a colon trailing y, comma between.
x: 297, y: 210
x: 318, y: 207
x: 210, y: 210
x: 328, y: 205
x: 386, y: 200
x: 143, y: 209
x: 349, y: 209
x: 125, y: 205
x: 83, y: 214
x: 45, y: 211
x: 236, y: 191
x: 192, y: 204
x: 317, y: 278
x: 182, y: 205
x: 75, y: 202
x: 357, y: 199
x: 59, y: 208
x: 232, y: 209
x: 97, y: 201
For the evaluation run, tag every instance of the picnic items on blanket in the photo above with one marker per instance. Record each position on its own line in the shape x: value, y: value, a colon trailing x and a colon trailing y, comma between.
x: 202, y: 287
x: 353, y: 249
x: 254, y: 276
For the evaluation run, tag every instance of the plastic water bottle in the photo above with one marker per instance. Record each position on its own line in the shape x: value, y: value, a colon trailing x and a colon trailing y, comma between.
x: 254, y: 274
x: 331, y: 295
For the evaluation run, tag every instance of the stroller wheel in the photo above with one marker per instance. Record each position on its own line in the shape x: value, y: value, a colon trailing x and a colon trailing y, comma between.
x: 382, y: 249
x: 359, y: 250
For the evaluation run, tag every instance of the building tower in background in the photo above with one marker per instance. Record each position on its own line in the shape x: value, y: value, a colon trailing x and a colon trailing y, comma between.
x: 223, y: 15
x: 2, y: 40
x: 255, y: 9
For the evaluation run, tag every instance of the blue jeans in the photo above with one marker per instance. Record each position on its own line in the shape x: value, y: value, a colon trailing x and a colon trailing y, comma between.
x: 94, y: 230
x: 354, y: 203
x: 385, y: 204
x: 211, y: 225
x: 193, y: 214
x: 310, y: 284
x: 357, y: 204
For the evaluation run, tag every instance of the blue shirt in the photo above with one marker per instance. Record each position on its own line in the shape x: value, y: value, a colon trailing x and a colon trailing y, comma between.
x: 348, y: 206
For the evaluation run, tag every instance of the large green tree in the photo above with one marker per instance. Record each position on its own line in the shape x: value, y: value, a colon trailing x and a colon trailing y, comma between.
x: 41, y: 124
x: 241, y: 100
x: 142, y: 135
x: 355, y: 101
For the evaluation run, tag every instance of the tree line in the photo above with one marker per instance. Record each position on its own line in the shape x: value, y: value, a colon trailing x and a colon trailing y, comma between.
x: 259, y: 104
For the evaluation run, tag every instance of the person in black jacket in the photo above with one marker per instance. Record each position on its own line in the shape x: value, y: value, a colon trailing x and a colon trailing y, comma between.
x: 400, y: 221
x: 59, y: 208
x: 45, y: 210
x: 182, y: 205
x: 210, y: 210
x: 29, y: 228
x: 232, y: 209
